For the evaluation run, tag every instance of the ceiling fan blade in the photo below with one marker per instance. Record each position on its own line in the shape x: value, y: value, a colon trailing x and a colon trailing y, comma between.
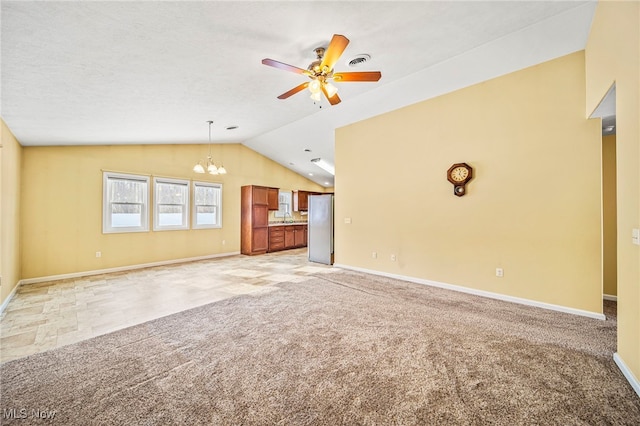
x: 283, y: 66
x: 293, y: 91
x: 334, y: 51
x: 333, y: 100
x: 357, y: 76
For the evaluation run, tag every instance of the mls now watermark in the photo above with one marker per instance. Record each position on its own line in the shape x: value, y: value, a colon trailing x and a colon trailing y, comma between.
x: 26, y: 413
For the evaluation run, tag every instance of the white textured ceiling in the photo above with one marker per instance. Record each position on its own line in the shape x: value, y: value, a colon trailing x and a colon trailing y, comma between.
x: 83, y: 72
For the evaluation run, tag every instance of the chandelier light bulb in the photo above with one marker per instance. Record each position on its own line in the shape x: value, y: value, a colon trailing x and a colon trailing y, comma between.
x: 331, y: 89
x: 314, y: 86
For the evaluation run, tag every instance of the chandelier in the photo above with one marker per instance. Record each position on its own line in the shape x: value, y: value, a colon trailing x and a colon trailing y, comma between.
x: 210, y: 168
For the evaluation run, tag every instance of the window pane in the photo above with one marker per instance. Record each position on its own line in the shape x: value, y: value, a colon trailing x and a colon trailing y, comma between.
x: 206, y: 215
x: 205, y: 195
x: 170, y: 215
x: 126, y: 215
x: 171, y: 193
x: 126, y: 191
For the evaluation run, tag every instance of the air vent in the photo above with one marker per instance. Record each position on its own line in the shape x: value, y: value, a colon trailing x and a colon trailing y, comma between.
x: 358, y: 60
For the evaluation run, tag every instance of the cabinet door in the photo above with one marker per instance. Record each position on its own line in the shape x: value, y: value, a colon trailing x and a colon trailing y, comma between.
x: 289, y: 237
x: 260, y: 195
x: 299, y: 236
x: 260, y: 215
x: 305, y: 231
x: 300, y: 201
x: 272, y: 195
x: 260, y: 240
x: 303, y: 203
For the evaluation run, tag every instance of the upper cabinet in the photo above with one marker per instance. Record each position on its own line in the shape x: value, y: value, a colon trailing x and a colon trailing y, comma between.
x: 301, y: 200
x: 272, y: 198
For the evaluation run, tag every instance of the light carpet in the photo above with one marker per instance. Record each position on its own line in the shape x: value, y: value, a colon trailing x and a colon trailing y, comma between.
x: 343, y: 349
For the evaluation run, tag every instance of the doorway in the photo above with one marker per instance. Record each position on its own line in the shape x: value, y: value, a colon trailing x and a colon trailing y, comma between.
x: 606, y: 110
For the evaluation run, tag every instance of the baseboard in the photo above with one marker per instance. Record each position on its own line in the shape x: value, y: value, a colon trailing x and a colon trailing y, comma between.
x: 123, y: 268
x: 482, y: 293
x: 9, y: 297
x: 610, y: 297
x: 633, y: 381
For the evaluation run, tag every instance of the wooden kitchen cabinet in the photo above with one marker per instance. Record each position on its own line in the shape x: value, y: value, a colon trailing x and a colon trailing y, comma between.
x: 289, y: 237
x: 254, y: 220
x: 301, y: 200
x: 299, y: 236
x: 272, y: 198
x: 276, y: 238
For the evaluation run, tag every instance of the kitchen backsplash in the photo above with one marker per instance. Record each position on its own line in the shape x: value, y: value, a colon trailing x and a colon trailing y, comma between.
x: 297, y: 217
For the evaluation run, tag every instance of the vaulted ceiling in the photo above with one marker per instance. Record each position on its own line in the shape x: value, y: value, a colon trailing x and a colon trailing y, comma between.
x: 83, y: 73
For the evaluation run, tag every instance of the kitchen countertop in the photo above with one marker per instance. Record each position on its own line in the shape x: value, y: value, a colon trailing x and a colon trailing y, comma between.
x: 286, y: 224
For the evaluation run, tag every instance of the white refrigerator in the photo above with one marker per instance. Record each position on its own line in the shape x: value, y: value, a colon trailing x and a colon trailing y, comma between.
x: 320, y: 228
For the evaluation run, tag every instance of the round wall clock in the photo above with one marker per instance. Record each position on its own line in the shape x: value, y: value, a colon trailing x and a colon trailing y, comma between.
x: 459, y: 174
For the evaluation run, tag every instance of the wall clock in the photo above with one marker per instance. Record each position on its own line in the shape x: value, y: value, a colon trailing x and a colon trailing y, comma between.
x: 459, y: 174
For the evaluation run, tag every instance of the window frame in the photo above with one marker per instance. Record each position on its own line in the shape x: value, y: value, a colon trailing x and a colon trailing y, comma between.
x: 107, y: 222
x: 194, y: 210
x: 185, y: 205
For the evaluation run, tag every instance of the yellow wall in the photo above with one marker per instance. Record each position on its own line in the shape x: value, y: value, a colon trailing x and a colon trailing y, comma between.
x: 62, y: 204
x: 613, y: 55
x: 532, y: 208
x: 609, y: 228
x: 10, y: 159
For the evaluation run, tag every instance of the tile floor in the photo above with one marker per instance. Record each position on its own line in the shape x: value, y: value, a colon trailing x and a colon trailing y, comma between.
x: 48, y: 315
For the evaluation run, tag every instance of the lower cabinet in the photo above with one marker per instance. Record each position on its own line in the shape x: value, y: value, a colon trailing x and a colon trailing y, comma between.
x: 287, y: 237
x: 299, y: 235
x: 276, y: 238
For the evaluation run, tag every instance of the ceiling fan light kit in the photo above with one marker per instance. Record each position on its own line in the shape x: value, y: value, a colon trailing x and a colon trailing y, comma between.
x: 321, y: 72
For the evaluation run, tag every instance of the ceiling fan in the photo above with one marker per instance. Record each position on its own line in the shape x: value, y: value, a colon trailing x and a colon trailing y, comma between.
x: 321, y: 72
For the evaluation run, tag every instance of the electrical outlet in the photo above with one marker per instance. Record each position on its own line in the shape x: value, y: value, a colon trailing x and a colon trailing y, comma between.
x: 374, y: 255
x: 499, y: 272
x: 393, y: 257
x: 98, y: 254
x: 224, y: 242
x: 635, y: 236
x: 347, y: 220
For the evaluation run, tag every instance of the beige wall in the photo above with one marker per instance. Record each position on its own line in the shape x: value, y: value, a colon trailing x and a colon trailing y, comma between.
x: 62, y: 204
x: 533, y: 207
x: 10, y: 159
x: 613, y: 55
x: 609, y: 224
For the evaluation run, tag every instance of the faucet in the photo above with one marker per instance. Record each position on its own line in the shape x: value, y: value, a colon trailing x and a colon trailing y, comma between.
x: 284, y: 220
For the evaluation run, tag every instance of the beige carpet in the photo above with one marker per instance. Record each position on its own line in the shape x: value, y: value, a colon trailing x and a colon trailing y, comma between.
x: 340, y: 350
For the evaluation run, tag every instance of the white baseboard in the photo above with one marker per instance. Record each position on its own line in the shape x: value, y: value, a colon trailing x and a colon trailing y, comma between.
x: 610, y: 297
x: 123, y: 268
x: 9, y: 297
x: 482, y: 293
x: 633, y: 381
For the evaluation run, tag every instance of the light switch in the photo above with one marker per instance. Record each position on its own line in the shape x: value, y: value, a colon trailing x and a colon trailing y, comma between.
x: 635, y: 236
x: 347, y: 220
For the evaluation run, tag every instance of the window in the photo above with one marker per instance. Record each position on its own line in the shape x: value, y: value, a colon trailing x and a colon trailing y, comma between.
x: 125, y: 203
x: 284, y: 204
x: 207, y: 205
x: 171, y: 202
